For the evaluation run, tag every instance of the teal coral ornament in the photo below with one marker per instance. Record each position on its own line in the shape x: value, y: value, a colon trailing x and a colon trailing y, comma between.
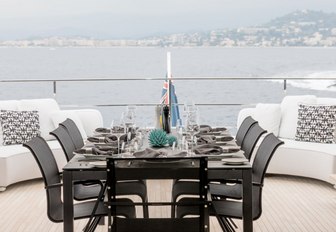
x: 171, y: 140
x: 158, y: 138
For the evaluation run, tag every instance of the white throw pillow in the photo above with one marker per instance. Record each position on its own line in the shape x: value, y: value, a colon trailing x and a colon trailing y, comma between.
x: 244, y: 113
x: 45, y: 108
x: 91, y: 120
x: 7, y: 105
x: 289, y: 114
x: 62, y: 115
x: 269, y: 116
x: 326, y: 101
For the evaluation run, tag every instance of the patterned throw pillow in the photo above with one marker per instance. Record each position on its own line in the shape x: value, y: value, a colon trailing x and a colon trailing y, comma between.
x: 19, y: 126
x: 316, y: 123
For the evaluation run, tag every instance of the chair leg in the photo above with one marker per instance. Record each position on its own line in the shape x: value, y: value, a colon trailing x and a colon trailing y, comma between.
x: 173, y: 211
x: 145, y: 208
x: 225, y: 224
x: 102, y: 221
x: 231, y: 222
x: 173, y: 207
x: 94, y: 224
x: 92, y: 217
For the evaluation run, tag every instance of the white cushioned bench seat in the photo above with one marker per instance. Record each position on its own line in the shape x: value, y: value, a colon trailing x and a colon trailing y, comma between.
x: 16, y: 162
x: 314, y: 160
x: 308, y: 159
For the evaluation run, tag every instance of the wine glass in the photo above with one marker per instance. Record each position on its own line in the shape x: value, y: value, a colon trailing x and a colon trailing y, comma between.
x: 179, y: 133
x: 192, y: 126
x: 118, y: 131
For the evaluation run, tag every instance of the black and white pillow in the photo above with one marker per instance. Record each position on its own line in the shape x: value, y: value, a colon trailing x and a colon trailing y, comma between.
x: 19, y: 126
x: 316, y: 123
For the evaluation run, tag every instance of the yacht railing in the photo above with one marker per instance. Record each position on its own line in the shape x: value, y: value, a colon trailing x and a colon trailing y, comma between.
x: 55, y: 82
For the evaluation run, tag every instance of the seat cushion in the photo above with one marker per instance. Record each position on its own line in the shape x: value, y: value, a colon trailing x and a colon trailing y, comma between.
x: 308, y: 159
x: 60, y: 116
x: 289, y: 114
x: 268, y: 117
x: 312, y: 146
x: 18, y: 164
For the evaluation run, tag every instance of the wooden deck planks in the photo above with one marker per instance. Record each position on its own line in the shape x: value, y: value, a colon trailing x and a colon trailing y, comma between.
x: 289, y: 204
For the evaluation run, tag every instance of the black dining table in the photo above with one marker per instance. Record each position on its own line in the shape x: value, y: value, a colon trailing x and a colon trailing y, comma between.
x: 79, y: 169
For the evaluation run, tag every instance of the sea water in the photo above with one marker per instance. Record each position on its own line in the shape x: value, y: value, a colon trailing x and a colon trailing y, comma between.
x: 139, y: 62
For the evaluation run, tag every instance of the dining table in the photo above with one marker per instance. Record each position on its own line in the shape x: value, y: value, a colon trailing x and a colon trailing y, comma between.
x: 79, y: 168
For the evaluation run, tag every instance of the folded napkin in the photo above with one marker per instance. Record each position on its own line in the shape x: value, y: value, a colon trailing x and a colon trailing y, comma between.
x: 206, y: 139
x: 150, y: 153
x: 112, y: 139
x: 103, y: 130
x: 230, y: 149
x: 108, y: 139
x: 208, y: 149
x: 223, y: 138
x: 118, y: 129
x: 205, y: 128
x: 96, y: 139
x: 218, y: 129
x: 209, y: 129
x: 177, y: 153
x: 93, y: 151
x: 113, y: 149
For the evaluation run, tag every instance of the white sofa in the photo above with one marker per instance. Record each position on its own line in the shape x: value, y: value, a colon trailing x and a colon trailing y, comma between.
x: 16, y: 162
x: 307, y: 159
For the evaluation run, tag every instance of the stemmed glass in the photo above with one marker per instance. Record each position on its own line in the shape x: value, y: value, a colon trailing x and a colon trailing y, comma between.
x: 192, y: 125
x: 129, y: 117
x: 116, y: 130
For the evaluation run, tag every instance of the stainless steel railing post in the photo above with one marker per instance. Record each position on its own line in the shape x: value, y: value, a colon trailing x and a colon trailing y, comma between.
x: 54, y: 89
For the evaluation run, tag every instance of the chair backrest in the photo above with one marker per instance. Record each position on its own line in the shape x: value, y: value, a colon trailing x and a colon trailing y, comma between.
x: 243, y: 129
x: 263, y: 156
x: 74, y: 132
x: 262, y: 159
x: 159, y: 168
x: 251, y: 139
x: 65, y: 140
x: 49, y: 170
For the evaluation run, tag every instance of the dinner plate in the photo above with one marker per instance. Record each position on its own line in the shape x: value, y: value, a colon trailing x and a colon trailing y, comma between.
x: 98, y: 164
x: 95, y: 157
x: 234, y: 161
x: 162, y: 160
x: 101, y: 133
x: 105, y: 144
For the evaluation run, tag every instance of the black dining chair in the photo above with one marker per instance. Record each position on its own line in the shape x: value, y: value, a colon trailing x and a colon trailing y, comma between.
x: 233, y: 190
x: 186, y: 187
x: 131, y: 187
x: 224, y: 207
x: 251, y: 138
x: 243, y: 129
x: 83, y: 190
x: 159, y: 168
x: 74, y: 132
x: 52, y: 181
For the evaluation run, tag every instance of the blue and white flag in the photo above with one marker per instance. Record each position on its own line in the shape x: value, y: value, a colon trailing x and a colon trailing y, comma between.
x: 174, y: 111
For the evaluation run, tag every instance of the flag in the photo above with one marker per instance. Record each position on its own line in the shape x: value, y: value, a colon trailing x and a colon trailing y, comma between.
x: 174, y: 111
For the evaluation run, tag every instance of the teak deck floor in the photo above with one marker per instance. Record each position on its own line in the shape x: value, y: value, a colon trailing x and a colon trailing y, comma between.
x: 289, y: 204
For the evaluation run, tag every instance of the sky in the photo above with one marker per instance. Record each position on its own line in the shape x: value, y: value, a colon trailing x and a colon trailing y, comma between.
x: 102, y: 19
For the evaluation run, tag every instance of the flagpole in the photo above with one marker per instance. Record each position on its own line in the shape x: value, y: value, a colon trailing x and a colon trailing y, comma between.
x: 169, y: 84
x: 169, y: 76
